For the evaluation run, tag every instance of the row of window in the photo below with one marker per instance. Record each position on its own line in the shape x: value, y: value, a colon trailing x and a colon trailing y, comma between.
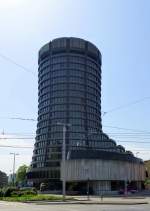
x: 42, y: 137
x: 45, y: 130
x: 44, y: 64
x: 65, y: 58
x: 70, y: 79
x: 40, y: 151
x: 41, y: 144
x: 39, y: 158
x: 54, y: 156
x: 73, y: 116
x: 77, y: 136
x: 43, y: 108
x: 58, y: 135
x: 70, y: 93
x: 39, y: 165
x: 73, y: 128
x: 55, y: 153
x: 69, y: 86
x: 61, y: 69
x: 73, y: 74
x: 93, y: 140
x: 46, y: 137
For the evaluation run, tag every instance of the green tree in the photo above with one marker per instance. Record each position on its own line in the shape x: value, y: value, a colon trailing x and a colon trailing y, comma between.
x: 21, y: 174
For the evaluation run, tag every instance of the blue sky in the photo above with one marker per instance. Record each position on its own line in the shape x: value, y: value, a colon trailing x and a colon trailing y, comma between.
x: 119, y: 28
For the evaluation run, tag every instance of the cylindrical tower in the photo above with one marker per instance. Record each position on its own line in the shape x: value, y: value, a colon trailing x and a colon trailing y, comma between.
x: 69, y: 91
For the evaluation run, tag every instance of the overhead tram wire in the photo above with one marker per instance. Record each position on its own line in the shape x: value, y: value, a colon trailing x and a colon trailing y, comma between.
x: 109, y: 126
x: 31, y: 147
x: 19, y: 118
x: 125, y: 105
x: 16, y: 138
x: 19, y: 147
x: 122, y: 128
x: 6, y: 58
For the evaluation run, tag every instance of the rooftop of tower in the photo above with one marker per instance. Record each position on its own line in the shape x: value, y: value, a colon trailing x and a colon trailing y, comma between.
x: 70, y: 43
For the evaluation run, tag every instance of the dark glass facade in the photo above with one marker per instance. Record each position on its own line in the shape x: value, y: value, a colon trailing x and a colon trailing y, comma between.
x: 69, y: 91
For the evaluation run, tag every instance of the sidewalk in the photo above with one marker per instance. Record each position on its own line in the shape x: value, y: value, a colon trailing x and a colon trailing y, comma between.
x: 96, y: 200
x: 115, y: 200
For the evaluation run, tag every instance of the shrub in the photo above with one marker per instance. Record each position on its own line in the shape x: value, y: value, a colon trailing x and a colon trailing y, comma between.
x: 29, y: 191
x: 1, y: 193
x: 24, y: 192
x: 8, y: 191
x: 15, y: 192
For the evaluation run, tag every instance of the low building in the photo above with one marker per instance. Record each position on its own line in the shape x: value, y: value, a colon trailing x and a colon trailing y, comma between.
x: 106, y: 172
x: 3, y: 179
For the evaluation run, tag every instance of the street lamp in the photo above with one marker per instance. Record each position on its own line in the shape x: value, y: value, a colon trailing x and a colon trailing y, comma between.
x: 14, y: 162
x: 64, y: 125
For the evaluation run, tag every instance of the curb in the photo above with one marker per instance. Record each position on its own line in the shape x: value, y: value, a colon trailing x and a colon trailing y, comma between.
x: 84, y: 203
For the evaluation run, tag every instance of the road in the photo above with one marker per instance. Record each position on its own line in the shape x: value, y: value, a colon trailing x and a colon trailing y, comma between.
x: 9, y: 206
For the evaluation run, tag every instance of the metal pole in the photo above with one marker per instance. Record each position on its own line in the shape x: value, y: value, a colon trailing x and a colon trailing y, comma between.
x: 126, y: 190
x: 88, y: 189
x: 63, y: 162
x: 14, y: 163
x: 14, y: 169
x: 63, y: 168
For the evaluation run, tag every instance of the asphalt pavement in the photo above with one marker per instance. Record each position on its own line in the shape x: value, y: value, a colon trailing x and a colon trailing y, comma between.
x: 13, y: 206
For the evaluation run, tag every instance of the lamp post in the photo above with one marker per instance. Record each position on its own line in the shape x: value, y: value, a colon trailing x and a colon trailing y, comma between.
x: 64, y: 125
x: 14, y: 162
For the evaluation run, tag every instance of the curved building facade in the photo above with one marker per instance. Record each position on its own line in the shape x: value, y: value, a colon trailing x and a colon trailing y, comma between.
x: 69, y: 91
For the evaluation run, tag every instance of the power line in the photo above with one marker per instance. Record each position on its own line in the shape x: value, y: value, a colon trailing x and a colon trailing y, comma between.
x: 18, y: 134
x: 137, y: 142
x: 19, y: 118
x: 19, y: 147
x: 130, y: 133
x: 30, y: 147
x: 126, y: 105
x: 122, y: 128
x: 16, y: 138
x: 17, y: 64
x: 114, y: 127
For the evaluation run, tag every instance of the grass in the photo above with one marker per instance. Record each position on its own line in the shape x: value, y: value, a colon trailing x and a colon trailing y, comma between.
x: 26, y: 198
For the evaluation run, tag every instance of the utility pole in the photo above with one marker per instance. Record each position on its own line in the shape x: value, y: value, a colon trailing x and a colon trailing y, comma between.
x: 64, y: 158
x: 14, y: 162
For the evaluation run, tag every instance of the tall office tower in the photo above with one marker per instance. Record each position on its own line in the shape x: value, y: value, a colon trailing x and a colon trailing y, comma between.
x: 69, y: 91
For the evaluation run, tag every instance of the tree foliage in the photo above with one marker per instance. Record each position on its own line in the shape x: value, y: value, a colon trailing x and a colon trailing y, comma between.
x: 21, y: 173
